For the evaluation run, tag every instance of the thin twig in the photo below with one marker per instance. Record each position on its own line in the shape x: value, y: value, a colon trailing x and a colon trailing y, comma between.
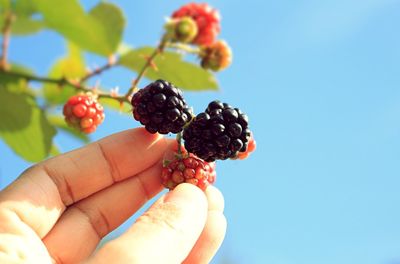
x: 63, y: 81
x: 150, y: 60
x: 111, y: 62
x: 6, y: 30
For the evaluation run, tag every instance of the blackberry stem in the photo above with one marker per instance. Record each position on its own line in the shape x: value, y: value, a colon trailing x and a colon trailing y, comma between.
x: 179, y: 140
x: 159, y: 49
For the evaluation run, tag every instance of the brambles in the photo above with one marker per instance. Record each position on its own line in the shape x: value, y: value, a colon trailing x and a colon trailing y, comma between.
x: 160, y: 107
x: 221, y: 132
x: 206, y: 18
x: 192, y: 29
x: 83, y: 112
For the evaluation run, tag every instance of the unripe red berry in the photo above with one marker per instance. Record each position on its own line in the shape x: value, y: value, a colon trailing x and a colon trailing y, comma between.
x: 216, y: 56
x: 189, y: 169
x: 206, y: 18
x: 83, y: 112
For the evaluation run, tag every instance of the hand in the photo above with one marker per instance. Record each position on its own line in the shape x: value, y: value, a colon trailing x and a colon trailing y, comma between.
x: 58, y: 210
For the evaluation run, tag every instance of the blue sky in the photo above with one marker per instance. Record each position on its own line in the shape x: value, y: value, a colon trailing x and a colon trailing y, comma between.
x: 320, y: 81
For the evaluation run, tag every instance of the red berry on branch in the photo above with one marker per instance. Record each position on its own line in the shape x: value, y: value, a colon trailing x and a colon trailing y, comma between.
x: 206, y: 18
x: 216, y: 56
x: 83, y: 112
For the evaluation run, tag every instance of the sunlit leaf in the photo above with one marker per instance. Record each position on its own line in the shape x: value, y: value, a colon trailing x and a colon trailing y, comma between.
x: 72, y: 66
x: 24, y: 128
x: 90, y: 32
x: 171, y: 67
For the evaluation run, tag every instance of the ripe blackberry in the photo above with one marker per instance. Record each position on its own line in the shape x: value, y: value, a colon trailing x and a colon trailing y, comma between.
x: 221, y: 132
x: 83, y: 112
x: 160, y: 107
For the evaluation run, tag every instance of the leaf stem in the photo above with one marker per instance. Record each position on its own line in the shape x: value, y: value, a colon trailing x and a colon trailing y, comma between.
x: 6, y: 31
x: 149, y: 62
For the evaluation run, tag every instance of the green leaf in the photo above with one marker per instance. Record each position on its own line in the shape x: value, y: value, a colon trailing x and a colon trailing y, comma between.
x: 15, y: 83
x: 115, y: 105
x: 23, y: 22
x: 171, y: 67
x: 68, y: 18
x: 5, y: 5
x: 72, y: 66
x: 25, y: 25
x: 54, y: 151
x: 112, y: 19
x: 24, y: 7
x: 59, y: 122
x: 24, y: 128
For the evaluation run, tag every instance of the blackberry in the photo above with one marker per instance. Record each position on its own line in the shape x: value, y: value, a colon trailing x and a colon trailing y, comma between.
x: 221, y: 132
x: 160, y: 107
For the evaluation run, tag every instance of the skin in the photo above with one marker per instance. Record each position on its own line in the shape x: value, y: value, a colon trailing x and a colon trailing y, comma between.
x: 58, y: 210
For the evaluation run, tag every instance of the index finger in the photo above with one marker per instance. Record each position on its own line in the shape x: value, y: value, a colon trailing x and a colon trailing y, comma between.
x: 43, y: 192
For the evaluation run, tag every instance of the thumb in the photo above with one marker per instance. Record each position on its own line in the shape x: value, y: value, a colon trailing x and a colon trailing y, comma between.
x: 166, y: 233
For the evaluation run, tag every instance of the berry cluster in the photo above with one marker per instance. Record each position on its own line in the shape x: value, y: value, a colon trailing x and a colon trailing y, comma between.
x: 83, y: 112
x: 199, y: 24
x: 221, y: 132
x: 160, y: 107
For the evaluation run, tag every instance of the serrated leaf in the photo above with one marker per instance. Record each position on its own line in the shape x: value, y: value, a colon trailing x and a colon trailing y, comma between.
x: 112, y: 19
x: 115, y: 105
x: 70, y: 20
x: 72, y: 66
x: 24, y: 128
x: 59, y: 122
x: 171, y: 67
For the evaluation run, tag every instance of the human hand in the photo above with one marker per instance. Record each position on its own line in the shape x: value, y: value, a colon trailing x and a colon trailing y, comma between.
x: 58, y: 210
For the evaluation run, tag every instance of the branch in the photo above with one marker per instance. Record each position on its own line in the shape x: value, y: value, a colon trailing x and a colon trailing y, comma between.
x: 149, y: 62
x: 63, y: 81
x: 6, y: 30
x: 111, y: 62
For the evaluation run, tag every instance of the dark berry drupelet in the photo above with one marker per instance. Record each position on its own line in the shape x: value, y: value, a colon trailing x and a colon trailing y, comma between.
x: 160, y: 107
x: 221, y: 132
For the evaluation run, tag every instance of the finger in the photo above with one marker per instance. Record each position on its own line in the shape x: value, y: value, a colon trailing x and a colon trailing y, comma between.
x: 42, y: 193
x: 164, y: 234
x: 89, y: 220
x: 214, y: 231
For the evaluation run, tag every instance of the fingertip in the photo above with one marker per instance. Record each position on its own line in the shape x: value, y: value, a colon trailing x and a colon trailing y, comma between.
x: 187, y: 193
x: 215, y: 199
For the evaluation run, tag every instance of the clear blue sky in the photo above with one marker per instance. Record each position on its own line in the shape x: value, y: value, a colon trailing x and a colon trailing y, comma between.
x: 320, y: 81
